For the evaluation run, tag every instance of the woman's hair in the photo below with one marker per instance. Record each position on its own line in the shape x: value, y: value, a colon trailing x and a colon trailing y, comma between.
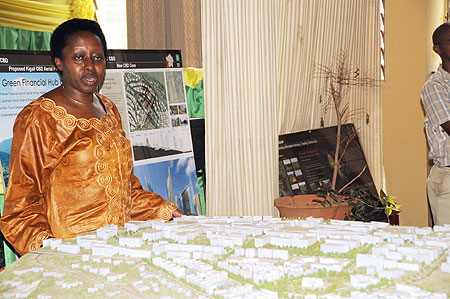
x: 65, y: 30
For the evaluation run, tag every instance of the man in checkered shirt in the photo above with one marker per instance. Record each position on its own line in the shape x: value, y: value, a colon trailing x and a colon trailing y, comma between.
x: 435, y: 97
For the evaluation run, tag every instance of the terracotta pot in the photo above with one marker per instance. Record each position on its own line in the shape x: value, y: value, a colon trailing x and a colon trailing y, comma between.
x: 394, y: 218
x: 302, y: 206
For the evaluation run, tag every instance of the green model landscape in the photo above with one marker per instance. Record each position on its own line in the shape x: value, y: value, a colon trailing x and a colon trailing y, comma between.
x: 49, y: 272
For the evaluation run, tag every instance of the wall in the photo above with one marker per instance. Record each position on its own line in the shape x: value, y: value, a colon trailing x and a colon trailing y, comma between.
x: 435, y: 17
x: 404, y: 142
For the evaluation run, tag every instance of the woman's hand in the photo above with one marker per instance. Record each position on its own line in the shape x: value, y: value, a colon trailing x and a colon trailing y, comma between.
x: 177, y: 213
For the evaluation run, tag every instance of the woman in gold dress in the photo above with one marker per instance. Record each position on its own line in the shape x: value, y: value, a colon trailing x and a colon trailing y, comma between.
x: 71, y: 168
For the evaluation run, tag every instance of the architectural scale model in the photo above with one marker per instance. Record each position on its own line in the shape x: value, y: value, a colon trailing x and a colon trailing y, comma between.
x: 238, y: 257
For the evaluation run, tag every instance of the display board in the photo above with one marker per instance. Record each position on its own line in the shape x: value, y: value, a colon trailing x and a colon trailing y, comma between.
x: 148, y: 88
x: 306, y: 161
x: 2, y: 245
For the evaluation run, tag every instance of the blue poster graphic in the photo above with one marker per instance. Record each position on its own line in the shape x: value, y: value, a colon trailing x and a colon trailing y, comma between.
x: 17, y: 90
x: 175, y: 180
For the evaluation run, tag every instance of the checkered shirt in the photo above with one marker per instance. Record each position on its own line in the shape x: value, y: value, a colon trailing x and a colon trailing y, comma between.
x: 435, y: 97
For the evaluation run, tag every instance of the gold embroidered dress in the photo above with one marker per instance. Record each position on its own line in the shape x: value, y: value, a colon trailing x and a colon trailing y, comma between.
x: 69, y: 176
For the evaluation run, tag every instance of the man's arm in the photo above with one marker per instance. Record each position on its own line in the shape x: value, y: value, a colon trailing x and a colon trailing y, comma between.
x: 446, y: 127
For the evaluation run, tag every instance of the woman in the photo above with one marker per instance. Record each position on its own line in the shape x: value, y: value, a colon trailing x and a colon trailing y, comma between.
x: 71, y: 168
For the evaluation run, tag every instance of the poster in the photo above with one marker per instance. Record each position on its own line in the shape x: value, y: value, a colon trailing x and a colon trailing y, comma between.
x: 147, y: 87
x: 306, y: 161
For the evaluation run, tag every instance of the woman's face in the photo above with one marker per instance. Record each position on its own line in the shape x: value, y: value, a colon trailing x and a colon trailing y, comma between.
x: 83, y: 62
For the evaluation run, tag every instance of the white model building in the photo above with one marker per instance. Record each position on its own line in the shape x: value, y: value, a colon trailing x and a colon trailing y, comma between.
x: 312, y: 282
x: 130, y: 242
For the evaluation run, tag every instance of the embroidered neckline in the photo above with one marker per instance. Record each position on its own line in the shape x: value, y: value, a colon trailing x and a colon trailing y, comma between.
x: 104, y: 102
x: 70, y: 121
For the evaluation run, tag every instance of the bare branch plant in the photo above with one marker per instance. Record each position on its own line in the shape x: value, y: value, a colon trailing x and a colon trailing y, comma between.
x: 340, y: 78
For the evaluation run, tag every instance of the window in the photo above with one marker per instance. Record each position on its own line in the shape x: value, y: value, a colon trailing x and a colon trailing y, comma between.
x: 112, y: 17
x: 382, y: 39
x: 447, y: 8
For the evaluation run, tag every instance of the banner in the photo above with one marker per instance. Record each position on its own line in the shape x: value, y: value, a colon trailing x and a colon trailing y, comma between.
x: 306, y: 161
x: 148, y: 88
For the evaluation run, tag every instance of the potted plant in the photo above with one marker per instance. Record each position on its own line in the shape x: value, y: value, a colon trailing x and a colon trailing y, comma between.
x: 350, y: 201
x: 364, y: 206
